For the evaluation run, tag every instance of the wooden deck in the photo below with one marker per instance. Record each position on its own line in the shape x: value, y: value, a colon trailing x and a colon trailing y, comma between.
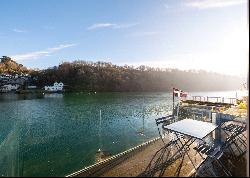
x: 137, y: 164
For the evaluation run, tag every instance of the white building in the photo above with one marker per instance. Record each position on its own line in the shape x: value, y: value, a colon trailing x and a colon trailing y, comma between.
x: 4, y: 77
x: 32, y: 87
x: 3, y: 89
x: 55, y: 87
x: 9, y: 87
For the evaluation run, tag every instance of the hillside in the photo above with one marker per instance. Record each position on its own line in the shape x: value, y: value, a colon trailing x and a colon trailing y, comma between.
x: 9, y: 66
x: 102, y: 76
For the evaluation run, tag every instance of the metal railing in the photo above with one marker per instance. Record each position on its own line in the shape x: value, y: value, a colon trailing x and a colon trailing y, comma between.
x: 217, y: 99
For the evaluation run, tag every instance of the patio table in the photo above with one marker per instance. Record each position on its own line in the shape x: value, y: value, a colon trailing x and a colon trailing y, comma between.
x: 193, y: 130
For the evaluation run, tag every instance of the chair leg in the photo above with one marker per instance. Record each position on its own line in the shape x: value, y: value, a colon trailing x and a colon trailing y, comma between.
x: 243, y: 142
x: 227, y: 172
x: 231, y: 151
x: 211, y: 170
x: 238, y: 147
x: 191, y: 161
x: 161, y: 136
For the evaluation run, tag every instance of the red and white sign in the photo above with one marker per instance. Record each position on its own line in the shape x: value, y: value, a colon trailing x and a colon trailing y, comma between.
x: 179, y: 93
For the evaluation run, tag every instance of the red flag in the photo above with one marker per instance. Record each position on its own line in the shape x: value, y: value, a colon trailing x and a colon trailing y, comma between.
x: 176, y: 92
x: 179, y: 93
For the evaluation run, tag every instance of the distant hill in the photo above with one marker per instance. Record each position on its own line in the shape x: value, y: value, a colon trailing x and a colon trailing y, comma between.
x: 103, y: 76
x: 9, y: 66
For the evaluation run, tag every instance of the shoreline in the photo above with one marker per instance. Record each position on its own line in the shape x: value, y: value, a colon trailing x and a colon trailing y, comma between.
x: 91, y: 91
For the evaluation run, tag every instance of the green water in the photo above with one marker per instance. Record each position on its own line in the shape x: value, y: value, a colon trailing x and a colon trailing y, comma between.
x: 57, y: 134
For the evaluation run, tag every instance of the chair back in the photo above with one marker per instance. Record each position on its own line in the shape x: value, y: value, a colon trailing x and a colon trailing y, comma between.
x: 164, y: 120
x: 231, y: 138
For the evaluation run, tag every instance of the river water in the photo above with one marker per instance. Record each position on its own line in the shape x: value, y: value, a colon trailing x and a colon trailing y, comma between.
x: 57, y: 134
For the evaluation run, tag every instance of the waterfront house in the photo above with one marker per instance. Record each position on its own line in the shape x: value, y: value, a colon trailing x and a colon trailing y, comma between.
x: 19, y: 81
x: 3, y: 89
x: 9, y: 87
x: 4, y: 77
x: 32, y: 87
x: 55, y: 87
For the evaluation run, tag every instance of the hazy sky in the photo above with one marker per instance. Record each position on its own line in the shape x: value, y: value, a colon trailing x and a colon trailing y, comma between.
x: 185, y: 34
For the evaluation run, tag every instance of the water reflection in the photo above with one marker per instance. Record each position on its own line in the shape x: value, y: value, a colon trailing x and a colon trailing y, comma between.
x: 15, y: 97
x: 53, y: 95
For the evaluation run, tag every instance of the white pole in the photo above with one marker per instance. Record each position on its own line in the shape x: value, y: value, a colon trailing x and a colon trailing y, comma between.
x: 100, y: 122
x: 178, y: 108
x: 143, y: 116
x: 236, y: 99
x: 173, y: 102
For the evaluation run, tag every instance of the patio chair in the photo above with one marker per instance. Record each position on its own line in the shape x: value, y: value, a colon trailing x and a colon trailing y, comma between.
x: 163, y: 121
x: 232, y: 128
x: 236, y: 137
x: 215, y: 152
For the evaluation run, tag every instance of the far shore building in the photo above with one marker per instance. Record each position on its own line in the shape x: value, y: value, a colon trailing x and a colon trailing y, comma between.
x: 9, y: 87
x: 32, y: 87
x: 55, y: 87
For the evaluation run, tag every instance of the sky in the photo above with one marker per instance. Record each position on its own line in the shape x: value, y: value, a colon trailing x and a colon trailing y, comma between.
x: 209, y: 35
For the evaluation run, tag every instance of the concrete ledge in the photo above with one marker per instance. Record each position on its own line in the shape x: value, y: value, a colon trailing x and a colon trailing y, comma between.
x: 101, y: 167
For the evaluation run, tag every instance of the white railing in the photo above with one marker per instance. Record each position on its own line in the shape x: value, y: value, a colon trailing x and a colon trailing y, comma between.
x: 216, y: 99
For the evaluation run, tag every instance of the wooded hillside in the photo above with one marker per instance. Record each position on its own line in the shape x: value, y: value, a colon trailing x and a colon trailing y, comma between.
x: 103, y: 76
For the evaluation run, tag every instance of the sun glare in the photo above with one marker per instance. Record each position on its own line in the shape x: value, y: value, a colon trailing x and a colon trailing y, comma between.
x: 234, y: 50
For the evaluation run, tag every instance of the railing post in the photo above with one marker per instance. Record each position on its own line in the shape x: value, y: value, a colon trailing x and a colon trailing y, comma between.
x: 210, y: 116
x: 218, y: 129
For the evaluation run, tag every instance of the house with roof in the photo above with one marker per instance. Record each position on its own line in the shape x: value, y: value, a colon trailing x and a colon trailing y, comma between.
x: 56, y: 87
x: 9, y: 87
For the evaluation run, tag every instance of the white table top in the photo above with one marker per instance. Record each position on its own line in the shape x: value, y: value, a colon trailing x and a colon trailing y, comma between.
x: 193, y: 128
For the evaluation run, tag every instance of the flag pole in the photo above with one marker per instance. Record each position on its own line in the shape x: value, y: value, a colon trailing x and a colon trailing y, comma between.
x: 173, y: 101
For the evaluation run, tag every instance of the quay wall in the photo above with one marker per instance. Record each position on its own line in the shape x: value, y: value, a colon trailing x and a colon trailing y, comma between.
x: 101, y: 167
